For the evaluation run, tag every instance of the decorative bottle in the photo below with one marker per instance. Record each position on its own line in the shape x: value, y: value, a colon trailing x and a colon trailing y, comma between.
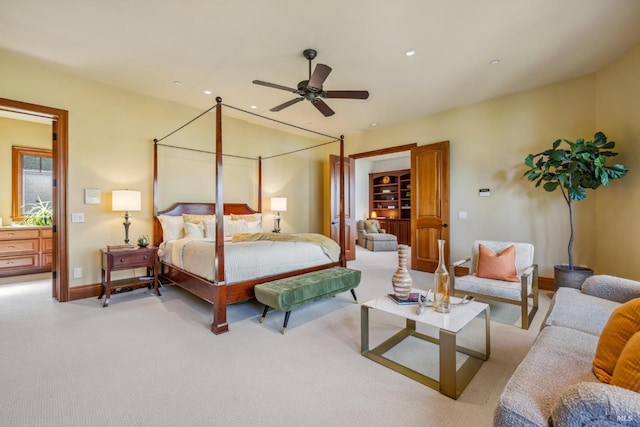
x: 401, y: 279
x: 441, y: 283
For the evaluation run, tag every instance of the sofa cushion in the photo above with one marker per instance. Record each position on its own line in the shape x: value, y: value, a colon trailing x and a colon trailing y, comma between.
x: 558, y: 358
x: 500, y: 266
x: 491, y: 287
x: 623, y: 323
x: 627, y: 371
x: 596, y: 404
x: 573, y: 309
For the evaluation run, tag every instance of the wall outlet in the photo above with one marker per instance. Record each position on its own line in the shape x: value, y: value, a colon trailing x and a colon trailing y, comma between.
x: 77, y: 273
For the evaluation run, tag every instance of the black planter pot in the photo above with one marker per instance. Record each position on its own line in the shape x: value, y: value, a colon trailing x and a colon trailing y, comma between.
x: 571, y: 278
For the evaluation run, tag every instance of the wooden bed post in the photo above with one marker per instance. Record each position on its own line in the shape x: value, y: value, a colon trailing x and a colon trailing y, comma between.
x: 219, y: 324
x: 155, y: 178
x: 260, y: 184
x: 343, y: 258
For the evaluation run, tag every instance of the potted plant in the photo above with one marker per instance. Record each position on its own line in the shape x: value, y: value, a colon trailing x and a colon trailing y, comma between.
x: 39, y: 213
x: 143, y: 241
x: 581, y: 166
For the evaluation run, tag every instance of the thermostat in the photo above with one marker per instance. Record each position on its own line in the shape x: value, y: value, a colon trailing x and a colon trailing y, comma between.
x: 484, y: 192
x: 91, y: 196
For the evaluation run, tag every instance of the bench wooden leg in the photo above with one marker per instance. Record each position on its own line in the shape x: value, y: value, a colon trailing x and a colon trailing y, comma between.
x: 353, y: 292
x: 264, y: 313
x: 286, y: 320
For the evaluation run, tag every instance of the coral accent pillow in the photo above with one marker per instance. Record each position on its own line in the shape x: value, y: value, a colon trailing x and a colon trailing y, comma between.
x: 623, y: 323
x: 500, y: 266
x: 627, y: 371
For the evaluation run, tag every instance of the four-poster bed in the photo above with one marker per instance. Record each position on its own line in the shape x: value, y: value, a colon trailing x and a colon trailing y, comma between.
x: 218, y: 290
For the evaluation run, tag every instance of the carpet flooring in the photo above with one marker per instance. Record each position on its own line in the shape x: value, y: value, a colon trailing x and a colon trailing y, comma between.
x: 152, y: 361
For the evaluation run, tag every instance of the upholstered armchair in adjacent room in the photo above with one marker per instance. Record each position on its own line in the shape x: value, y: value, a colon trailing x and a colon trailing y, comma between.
x: 374, y: 238
x: 501, y: 271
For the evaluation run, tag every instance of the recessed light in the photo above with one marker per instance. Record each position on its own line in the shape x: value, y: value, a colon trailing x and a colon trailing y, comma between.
x: 374, y: 124
x: 410, y: 52
x: 177, y: 82
x: 207, y: 92
x: 254, y: 106
x: 494, y: 62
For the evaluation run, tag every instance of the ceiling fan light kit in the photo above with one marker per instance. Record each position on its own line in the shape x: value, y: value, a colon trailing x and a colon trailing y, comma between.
x: 312, y: 89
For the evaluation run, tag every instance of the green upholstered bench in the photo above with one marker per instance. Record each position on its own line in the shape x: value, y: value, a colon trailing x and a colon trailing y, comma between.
x: 291, y: 292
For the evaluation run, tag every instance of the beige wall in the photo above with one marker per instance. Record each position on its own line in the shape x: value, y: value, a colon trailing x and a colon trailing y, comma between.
x: 489, y: 142
x: 618, y: 115
x: 20, y: 133
x: 110, y: 147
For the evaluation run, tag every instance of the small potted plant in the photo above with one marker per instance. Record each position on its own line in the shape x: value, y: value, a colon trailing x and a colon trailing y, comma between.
x: 581, y: 166
x: 143, y: 241
x: 39, y: 214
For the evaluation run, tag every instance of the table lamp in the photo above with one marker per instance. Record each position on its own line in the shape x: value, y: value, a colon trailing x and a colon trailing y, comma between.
x: 278, y: 204
x: 126, y: 200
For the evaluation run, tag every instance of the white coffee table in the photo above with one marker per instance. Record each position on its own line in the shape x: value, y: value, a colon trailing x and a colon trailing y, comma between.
x: 452, y: 381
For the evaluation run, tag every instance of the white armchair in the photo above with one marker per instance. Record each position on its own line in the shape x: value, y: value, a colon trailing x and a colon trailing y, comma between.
x: 516, y: 291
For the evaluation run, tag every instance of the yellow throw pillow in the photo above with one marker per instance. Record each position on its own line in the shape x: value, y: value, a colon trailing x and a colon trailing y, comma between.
x: 196, y: 218
x: 500, y: 266
x: 370, y: 227
x: 627, y: 371
x: 623, y: 323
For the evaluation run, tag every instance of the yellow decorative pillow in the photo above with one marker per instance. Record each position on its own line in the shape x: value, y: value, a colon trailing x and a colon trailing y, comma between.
x: 500, y: 266
x: 246, y: 217
x: 627, y: 371
x: 196, y: 218
x: 623, y: 323
x: 370, y: 227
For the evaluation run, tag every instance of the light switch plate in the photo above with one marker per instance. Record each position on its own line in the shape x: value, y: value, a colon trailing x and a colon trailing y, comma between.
x: 77, y: 217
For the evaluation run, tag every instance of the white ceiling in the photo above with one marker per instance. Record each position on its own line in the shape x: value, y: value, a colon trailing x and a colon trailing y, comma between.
x: 144, y: 46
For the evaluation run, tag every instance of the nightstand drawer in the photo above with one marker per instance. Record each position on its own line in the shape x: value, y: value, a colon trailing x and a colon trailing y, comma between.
x: 121, y: 260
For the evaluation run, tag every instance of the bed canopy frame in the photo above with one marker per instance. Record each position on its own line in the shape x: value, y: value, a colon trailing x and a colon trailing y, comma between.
x: 218, y: 292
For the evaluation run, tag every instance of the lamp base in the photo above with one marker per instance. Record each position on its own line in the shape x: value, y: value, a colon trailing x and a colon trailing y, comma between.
x: 276, y: 223
x: 126, y: 224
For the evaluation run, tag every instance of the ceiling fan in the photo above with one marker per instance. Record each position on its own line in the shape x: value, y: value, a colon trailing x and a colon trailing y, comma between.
x: 312, y: 90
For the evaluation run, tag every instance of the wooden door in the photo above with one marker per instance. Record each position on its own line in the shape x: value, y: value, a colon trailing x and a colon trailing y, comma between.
x: 429, y: 204
x: 349, y: 204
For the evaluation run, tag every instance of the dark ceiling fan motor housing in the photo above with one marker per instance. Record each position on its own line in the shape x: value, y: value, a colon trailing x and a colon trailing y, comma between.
x: 312, y: 89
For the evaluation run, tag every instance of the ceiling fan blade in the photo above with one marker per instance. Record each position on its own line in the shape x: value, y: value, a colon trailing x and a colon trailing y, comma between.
x: 286, y: 104
x: 319, y: 75
x: 351, y: 94
x: 275, y: 86
x: 322, y: 107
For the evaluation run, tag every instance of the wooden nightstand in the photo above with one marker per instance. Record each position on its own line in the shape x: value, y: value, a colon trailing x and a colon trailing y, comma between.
x: 126, y: 259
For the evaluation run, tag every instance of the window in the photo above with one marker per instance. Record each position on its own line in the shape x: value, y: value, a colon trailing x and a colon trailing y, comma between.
x: 32, y: 172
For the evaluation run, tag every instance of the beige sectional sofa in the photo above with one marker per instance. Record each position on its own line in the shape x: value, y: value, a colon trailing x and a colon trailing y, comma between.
x: 555, y: 384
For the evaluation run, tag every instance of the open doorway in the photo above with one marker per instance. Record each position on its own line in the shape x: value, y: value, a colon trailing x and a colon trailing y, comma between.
x: 59, y: 147
x: 378, y: 161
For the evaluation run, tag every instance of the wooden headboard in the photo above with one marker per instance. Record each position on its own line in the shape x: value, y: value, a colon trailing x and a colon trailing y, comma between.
x: 177, y: 209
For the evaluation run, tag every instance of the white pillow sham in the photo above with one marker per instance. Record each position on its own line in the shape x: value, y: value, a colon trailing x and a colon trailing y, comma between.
x: 172, y: 227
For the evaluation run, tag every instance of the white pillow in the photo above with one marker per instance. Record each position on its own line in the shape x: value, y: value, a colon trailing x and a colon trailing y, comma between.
x: 172, y: 227
x: 234, y: 227
x: 194, y: 231
x: 254, y: 222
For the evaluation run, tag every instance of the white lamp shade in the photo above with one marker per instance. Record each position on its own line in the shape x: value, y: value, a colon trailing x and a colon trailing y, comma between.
x: 126, y: 200
x: 279, y: 204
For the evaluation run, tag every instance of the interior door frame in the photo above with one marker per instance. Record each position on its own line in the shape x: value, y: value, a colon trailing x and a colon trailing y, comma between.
x: 60, y: 149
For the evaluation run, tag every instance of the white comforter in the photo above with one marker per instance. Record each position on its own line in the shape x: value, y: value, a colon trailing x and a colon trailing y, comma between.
x: 242, y: 260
